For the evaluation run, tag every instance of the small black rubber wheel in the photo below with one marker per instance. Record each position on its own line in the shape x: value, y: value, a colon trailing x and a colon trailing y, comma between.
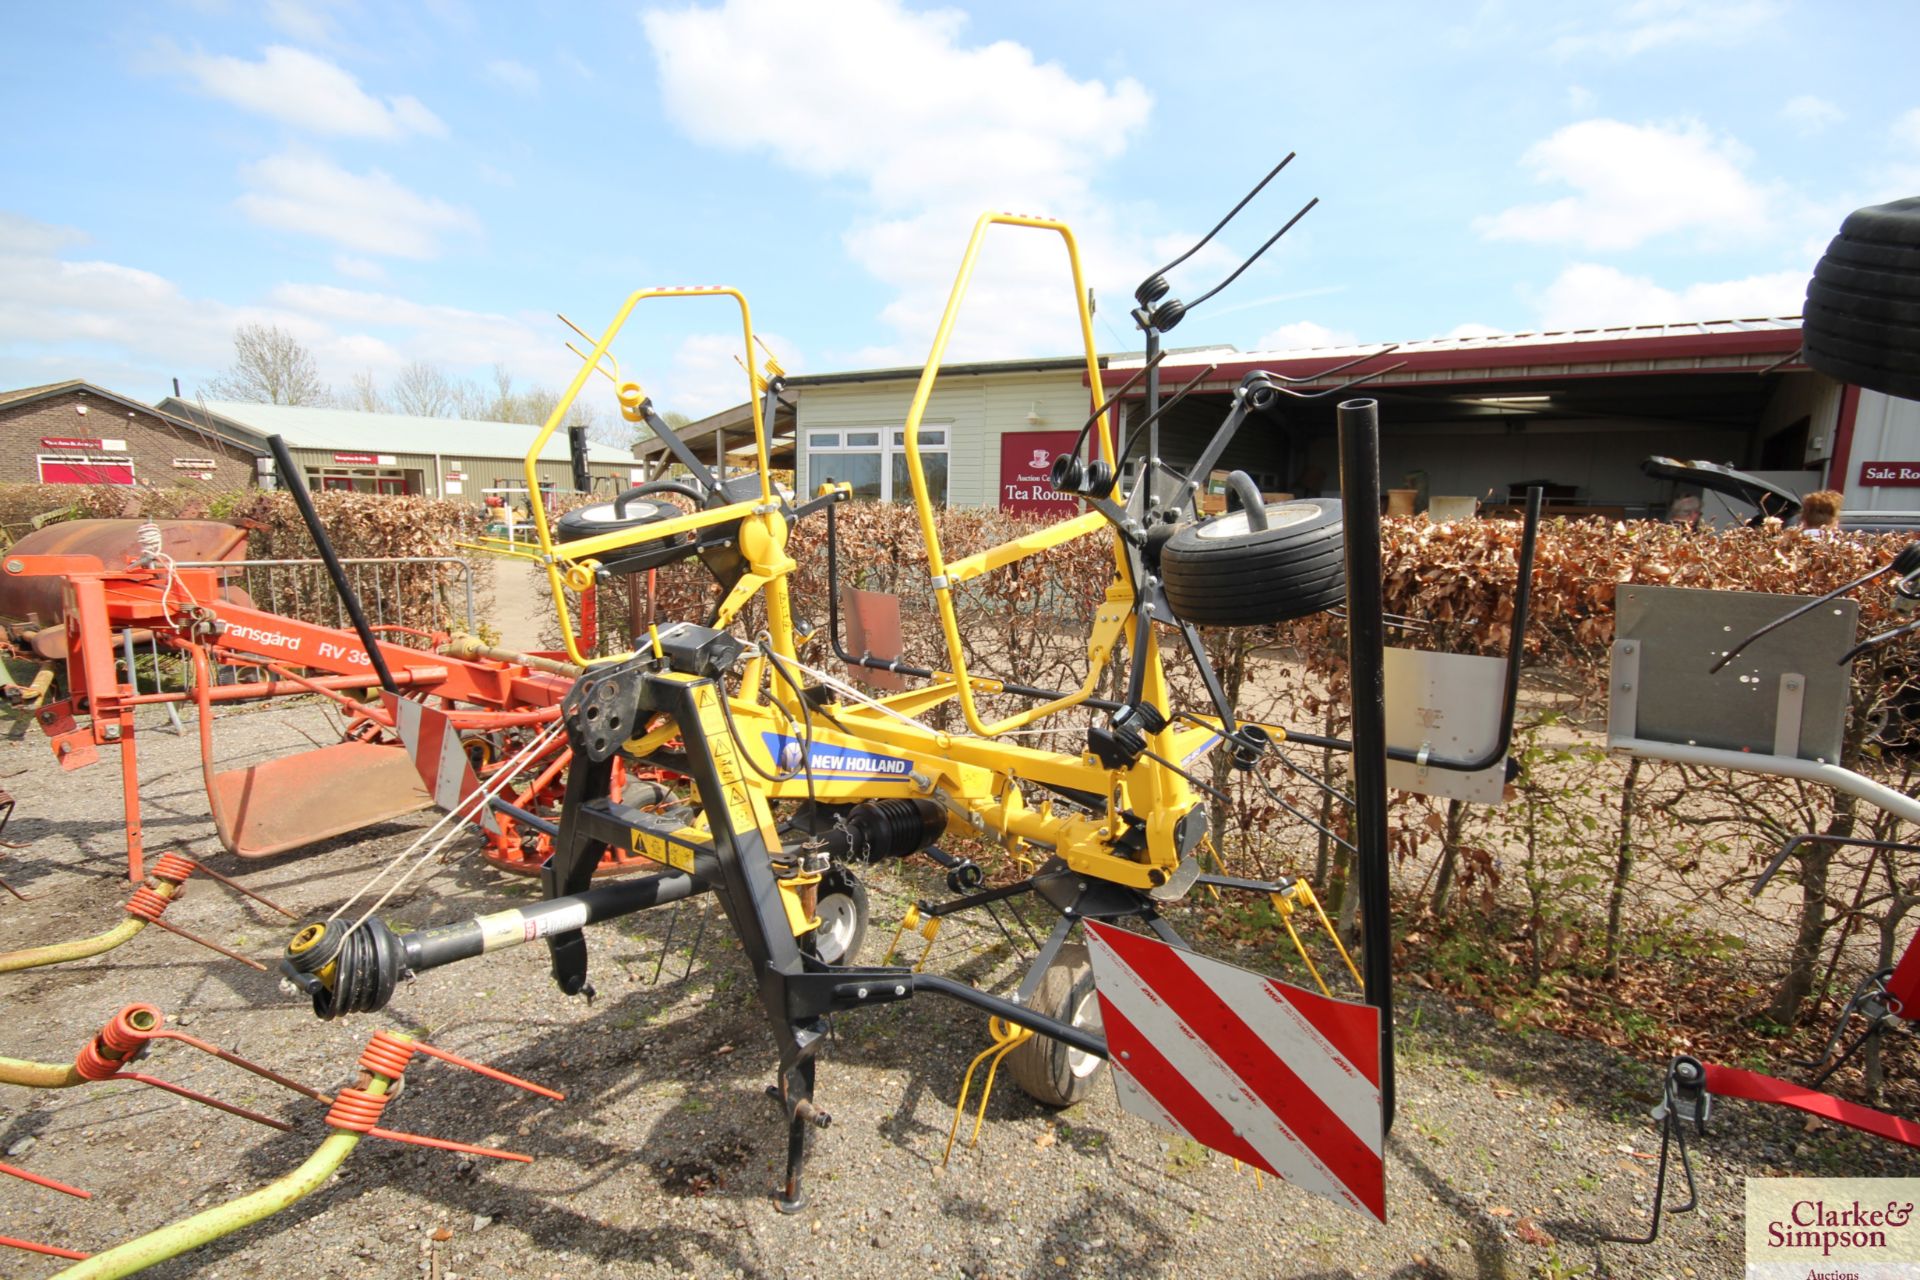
x: 592, y: 521
x: 599, y: 518
x: 1223, y: 573
x: 1051, y: 1073
x: 841, y: 909
x: 1861, y: 323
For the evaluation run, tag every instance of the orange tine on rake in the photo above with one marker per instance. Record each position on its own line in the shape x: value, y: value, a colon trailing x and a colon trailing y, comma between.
x: 51, y: 1250
x: 211, y: 946
x: 44, y: 1181
x: 421, y: 1140
x: 265, y: 1073
x: 489, y: 1072
x: 237, y: 887
x: 194, y: 1096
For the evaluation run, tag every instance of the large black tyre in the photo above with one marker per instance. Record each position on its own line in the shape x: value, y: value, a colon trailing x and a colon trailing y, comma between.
x: 1221, y: 572
x: 1895, y: 223
x: 1873, y: 286
x: 1051, y: 1073
x: 1861, y: 323
x: 1891, y: 382
x: 1869, y: 334
x: 841, y: 908
x: 1843, y: 252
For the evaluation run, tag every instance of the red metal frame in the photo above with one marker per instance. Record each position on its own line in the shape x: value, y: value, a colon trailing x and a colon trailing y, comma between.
x: 184, y: 612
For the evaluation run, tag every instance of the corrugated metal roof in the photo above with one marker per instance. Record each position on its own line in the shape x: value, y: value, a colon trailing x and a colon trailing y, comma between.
x: 1517, y: 342
x: 350, y: 431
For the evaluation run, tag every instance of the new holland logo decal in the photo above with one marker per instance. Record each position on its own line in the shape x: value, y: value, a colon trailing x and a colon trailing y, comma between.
x: 830, y: 760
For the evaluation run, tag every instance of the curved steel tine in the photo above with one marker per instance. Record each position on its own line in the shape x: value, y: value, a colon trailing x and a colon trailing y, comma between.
x: 1271, y: 241
x: 1345, y: 386
x: 1338, y: 368
x: 1201, y: 243
x: 1114, y: 399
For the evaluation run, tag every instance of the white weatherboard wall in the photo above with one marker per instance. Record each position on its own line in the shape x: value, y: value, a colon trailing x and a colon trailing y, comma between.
x: 976, y: 410
x: 1885, y: 429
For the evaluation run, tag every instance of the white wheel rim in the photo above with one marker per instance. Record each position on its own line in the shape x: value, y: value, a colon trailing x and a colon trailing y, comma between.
x: 1079, y: 1063
x: 1280, y: 515
x: 602, y: 513
x: 839, y: 918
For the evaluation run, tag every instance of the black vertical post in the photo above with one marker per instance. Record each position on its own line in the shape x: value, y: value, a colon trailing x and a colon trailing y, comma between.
x: 577, y: 453
x: 1366, y: 665
x: 297, y: 486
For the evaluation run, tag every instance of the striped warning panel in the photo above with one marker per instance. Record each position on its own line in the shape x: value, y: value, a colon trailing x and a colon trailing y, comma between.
x: 1275, y: 1076
x: 434, y: 745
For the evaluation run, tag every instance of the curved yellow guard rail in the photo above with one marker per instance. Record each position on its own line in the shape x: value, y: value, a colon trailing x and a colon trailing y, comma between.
x: 923, y: 505
x: 572, y: 554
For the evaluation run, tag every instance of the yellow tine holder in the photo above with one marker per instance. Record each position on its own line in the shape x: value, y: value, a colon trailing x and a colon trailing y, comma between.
x: 1006, y: 1038
x: 1283, y: 903
x: 1305, y: 890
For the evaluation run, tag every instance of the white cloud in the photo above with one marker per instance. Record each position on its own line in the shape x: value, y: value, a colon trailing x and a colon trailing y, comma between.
x: 133, y: 329
x: 1654, y: 24
x: 705, y: 377
x: 1590, y: 296
x: 1303, y: 335
x: 1809, y: 114
x: 513, y: 75
x: 301, y: 20
x: 309, y: 92
x: 934, y: 129
x: 359, y: 268
x: 1635, y: 182
x: 20, y: 234
x: 1471, y: 329
x: 370, y: 212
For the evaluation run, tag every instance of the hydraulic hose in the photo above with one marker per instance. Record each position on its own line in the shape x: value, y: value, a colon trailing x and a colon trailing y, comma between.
x: 223, y: 1220
x: 81, y: 948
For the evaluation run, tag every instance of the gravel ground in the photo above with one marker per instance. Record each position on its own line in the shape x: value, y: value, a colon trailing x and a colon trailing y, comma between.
x: 1508, y: 1148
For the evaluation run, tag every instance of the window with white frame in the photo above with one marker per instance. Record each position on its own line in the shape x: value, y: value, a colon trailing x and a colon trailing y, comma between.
x: 874, y: 461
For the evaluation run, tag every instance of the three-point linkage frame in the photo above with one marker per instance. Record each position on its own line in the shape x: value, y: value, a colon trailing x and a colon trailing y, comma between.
x: 795, y: 775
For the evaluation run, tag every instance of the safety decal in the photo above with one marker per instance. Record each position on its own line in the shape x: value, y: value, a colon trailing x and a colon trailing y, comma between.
x: 1273, y: 1075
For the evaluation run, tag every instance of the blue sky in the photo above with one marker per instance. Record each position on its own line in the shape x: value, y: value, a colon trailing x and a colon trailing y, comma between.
x: 433, y: 181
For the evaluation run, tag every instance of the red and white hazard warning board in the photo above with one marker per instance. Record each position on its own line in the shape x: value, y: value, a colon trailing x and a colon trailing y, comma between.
x: 1273, y: 1075
x: 434, y: 746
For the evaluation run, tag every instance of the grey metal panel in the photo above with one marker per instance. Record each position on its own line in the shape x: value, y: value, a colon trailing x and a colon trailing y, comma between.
x: 1449, y: 705
x: 1677, y: 633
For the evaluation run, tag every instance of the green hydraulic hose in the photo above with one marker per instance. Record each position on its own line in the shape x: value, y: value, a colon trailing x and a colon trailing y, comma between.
x: 79, y: 948
x: 203, y: 1228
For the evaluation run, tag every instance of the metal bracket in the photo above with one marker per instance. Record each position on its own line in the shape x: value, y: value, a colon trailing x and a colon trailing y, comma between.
x: 1786, y: 727
x: 1623, y: 706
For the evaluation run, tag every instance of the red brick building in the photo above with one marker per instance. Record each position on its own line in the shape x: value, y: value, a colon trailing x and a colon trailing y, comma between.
x: 76, y: 433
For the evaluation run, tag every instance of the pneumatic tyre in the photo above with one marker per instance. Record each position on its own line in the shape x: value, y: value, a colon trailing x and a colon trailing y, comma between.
x: 1862, y: 318
x: 1051, y: 1073
x: 1222, y: 572
x: 602, y: 518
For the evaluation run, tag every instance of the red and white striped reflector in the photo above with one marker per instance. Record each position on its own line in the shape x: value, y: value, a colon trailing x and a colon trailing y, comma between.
x: 434, y: 746
x: 1273, y: 1075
